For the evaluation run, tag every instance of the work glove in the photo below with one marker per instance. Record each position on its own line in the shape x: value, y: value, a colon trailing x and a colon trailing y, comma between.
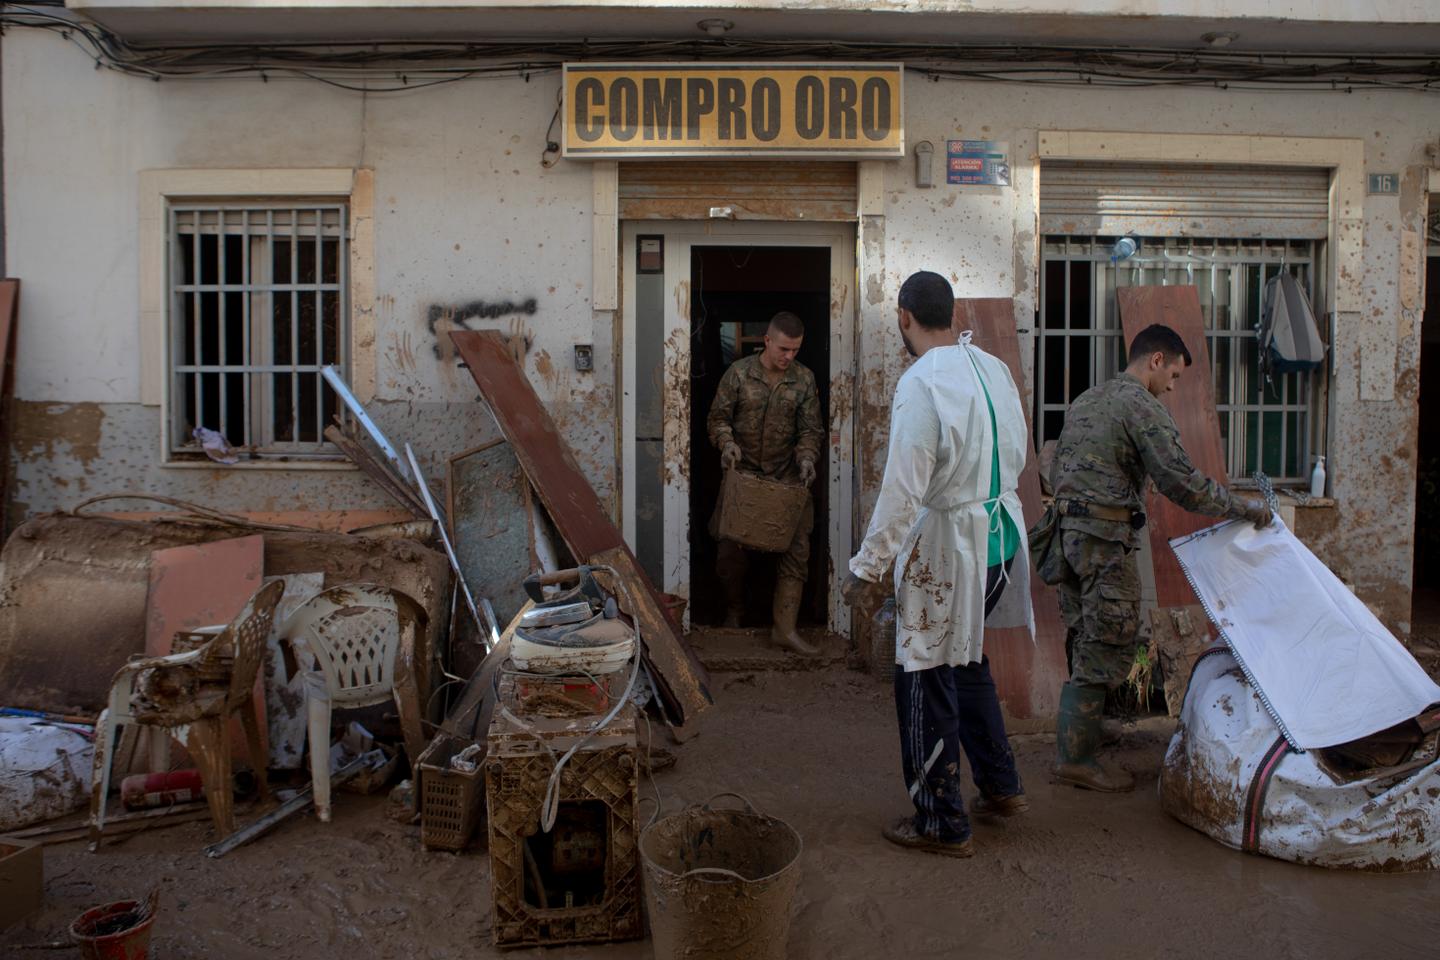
x: 807, y: 472
x: 1257, y: 512
x: 863, y: 595
x: 730, y: 455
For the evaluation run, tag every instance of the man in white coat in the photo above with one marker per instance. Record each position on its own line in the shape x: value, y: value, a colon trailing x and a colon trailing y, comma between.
x: 949, y: 519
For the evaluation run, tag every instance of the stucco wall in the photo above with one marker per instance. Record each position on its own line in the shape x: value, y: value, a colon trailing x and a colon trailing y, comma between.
x: 464, y: 212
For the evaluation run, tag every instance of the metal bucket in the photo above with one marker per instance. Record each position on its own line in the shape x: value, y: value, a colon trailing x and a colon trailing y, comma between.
x: 719, y: 883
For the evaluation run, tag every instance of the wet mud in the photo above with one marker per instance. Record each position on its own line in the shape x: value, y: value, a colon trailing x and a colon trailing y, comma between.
x: 1081, y: 875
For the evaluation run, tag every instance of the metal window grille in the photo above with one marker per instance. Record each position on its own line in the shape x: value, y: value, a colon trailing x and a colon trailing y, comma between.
x: 259, y: 302
x: 1268, y: 426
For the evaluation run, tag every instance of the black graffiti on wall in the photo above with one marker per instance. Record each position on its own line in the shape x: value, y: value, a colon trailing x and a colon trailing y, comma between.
x: 443, y: 319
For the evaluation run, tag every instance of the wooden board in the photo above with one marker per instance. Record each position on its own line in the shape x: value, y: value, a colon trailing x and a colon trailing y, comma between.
x: 1180, y: 635
x: 1192, y: 404
x: 204, y: 585
x: 1028, y: 675
x: 9, y: 321
x: 571, y: 502
x: 488, y: 508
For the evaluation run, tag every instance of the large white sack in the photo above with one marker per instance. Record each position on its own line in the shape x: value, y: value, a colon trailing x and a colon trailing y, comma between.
x: 44, y: 771
x: 1298, y: 811
x: 1325, y: 666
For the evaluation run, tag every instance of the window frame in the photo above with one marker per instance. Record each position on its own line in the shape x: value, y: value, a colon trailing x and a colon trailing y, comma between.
x: 1236, y: 394
x: 159, y: 189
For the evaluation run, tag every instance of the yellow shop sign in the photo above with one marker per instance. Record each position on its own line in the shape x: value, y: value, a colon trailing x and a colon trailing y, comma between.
x: 834, y: 110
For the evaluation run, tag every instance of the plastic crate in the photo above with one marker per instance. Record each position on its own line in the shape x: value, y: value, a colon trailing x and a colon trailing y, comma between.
x: 450, y: 799
x: 593, y: 847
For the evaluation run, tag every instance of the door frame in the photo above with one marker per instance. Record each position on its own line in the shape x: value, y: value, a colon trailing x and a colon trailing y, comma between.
x: 680, y: 237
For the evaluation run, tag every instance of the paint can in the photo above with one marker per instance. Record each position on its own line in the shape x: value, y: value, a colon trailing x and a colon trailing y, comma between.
x: 719, y: 883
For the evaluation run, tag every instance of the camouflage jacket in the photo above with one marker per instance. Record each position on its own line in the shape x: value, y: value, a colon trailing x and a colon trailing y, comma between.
x: 775, y: 428
x: 1116, y: 434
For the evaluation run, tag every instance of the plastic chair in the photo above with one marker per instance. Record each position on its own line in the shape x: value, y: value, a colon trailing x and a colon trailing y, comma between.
x: 362, y: 640
x: 188, y: 696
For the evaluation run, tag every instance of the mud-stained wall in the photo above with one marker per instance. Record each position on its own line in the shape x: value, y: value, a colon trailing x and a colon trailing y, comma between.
x: 471, y: 231
x: 984, y: 239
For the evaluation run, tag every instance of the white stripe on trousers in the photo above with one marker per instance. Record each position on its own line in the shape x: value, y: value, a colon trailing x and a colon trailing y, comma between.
x: 917, y: 749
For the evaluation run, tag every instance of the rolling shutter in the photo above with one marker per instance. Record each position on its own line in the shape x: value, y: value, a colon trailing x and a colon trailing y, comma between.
x: 1184, y: 200
x: 754, y: 190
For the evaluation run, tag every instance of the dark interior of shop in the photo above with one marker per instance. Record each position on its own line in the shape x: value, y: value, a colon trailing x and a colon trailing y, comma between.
x: 735, y: 291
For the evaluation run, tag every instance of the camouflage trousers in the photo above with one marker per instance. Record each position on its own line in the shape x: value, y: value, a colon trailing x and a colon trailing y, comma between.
x: 1100, y: 600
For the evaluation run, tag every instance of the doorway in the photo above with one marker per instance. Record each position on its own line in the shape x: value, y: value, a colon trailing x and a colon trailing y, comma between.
x: 734, y: 292
x: 695, y: 296
x: 1425, y: 598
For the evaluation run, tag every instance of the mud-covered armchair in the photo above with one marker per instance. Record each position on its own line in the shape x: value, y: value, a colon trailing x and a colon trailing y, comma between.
x: 191, y: 696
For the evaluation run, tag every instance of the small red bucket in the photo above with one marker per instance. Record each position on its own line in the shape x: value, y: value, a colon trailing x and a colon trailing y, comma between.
x: 94, y: 931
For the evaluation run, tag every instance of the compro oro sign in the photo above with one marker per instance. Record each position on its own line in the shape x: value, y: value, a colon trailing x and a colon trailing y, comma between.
x: 835, y: 110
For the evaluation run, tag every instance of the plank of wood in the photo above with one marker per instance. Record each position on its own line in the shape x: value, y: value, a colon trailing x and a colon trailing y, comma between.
x: 1028, y: 675
x: 202, y: 585
x: 9, y: 323
x: 1192, y: 404
x: 1180, y: 635
x: 573, y: 506
x: 384, y: 477
x: 655, y: 627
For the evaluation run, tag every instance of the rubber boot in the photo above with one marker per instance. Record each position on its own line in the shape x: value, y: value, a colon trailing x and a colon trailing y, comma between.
x: 786, y: 608
x: 1077, y: 737
x: 730, y: 568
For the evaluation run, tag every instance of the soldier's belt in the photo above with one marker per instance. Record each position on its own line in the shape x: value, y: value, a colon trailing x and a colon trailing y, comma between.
x: 1098, y: 511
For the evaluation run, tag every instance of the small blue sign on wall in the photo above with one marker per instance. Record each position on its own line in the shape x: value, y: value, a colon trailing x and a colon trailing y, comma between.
x: 978, y: 162
x: 1384, y: 183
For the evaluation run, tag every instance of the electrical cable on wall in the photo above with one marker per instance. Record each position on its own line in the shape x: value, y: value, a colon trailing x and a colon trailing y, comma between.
x: 394, y: 66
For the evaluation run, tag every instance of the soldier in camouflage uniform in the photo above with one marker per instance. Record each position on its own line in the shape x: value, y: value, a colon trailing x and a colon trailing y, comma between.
x: 1116, y: 435
x: 765, y: 419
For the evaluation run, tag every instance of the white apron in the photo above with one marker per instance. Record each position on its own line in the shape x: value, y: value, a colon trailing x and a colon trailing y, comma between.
x: 934, y: 513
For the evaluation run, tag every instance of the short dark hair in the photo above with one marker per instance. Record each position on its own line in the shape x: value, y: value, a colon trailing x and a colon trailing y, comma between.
x: 787, y: 323
x: 1158, y: 338
x: 929, y: 299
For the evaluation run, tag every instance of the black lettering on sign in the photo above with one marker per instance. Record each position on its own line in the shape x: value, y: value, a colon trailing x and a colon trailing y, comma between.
x: 875, y: 109
x: 842, y: 108
x: 731, y: 109
x: 765, y: 109
x: 662, y: 108
x: 624, y: 109
x: 699, y: 100
x: 589, y: 126
x: 809, y: 107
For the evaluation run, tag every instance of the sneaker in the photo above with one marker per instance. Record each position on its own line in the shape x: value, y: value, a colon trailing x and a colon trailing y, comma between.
x: 903, y: 833
x: 1009, y: 806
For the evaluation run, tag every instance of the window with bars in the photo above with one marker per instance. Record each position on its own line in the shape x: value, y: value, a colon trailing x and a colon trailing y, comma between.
x: 1274, y: 426
x: 258, y: 305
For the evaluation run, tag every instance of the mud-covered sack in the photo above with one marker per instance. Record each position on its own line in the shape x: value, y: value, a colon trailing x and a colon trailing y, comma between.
x: 1230, y: 774
x: 1045, y: 552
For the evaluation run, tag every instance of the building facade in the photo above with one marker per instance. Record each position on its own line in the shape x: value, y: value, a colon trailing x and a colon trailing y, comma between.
x: 197, y: 233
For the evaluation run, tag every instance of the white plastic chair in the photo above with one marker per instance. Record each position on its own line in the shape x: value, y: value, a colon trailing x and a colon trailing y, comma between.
x: 362, y: 638
x: 193, y: 704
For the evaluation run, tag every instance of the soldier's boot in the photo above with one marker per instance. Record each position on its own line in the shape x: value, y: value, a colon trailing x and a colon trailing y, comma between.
x: 786, y: 609
x: 730, y: 568
x: 734, y: 600
x: 1077, y: 737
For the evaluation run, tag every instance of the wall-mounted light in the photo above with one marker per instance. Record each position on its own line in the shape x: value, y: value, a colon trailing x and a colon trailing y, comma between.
x: 924, y: 154
x: 716, y: 27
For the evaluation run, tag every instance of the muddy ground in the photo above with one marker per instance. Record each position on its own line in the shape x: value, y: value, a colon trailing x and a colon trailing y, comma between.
x: 1082, y: 875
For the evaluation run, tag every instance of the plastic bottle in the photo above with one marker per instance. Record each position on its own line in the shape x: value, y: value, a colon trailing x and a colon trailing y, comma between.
x: 882, y: 641
x: 1317, y: 478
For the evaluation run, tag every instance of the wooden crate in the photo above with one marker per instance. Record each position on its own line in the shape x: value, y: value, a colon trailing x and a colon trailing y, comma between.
x: 593, y: 846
